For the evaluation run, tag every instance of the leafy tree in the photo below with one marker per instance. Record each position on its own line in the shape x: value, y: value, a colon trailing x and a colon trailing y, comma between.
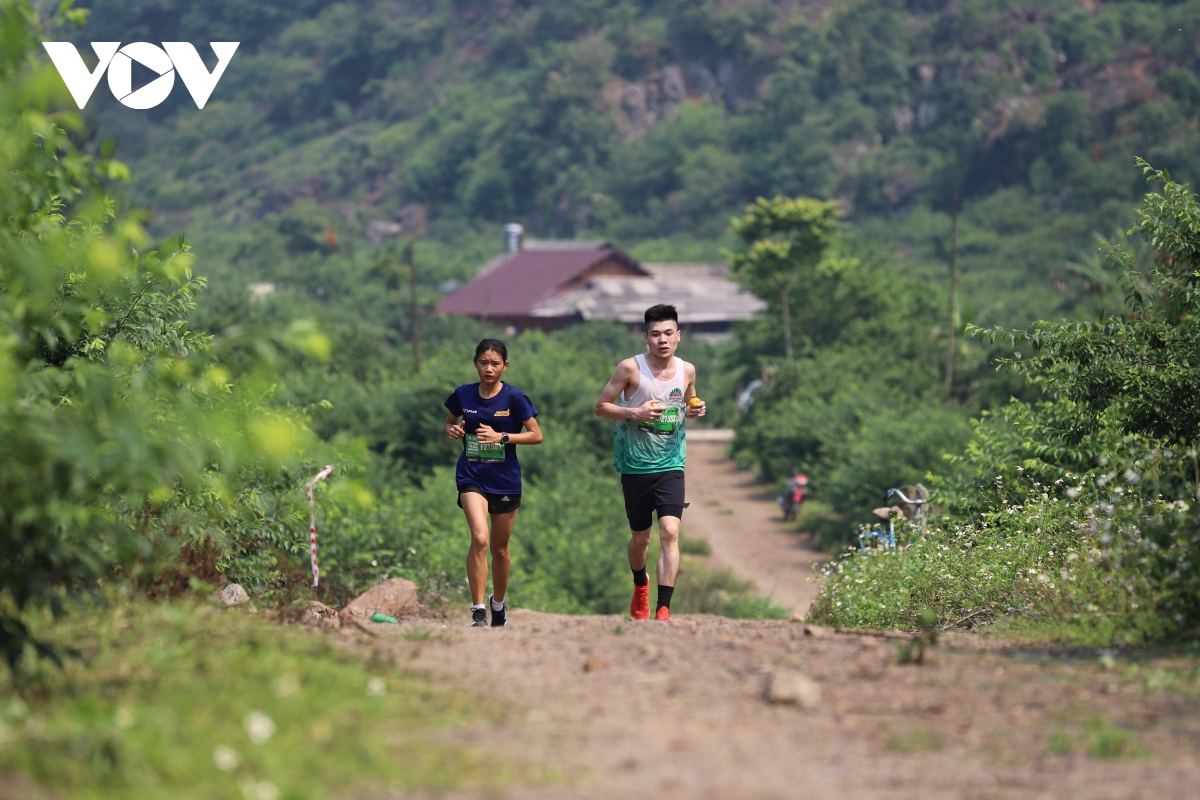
x: 783, y: 242
x: 110, y: 406
x: 1108, y: 464
x: 1137, y: 371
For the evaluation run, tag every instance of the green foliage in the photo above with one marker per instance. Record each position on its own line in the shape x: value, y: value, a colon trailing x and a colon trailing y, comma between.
x: 689, y: 546
x: 1007, y: 455
x: 1100, y: 739
x: 111, y: 407
x: 702, y: 590
x: 914, y: 740
x: 858, y: 418
x: 66, y: 434
x: 913, y: 651
x: 784, y: 241
x: 1137, y: 371
x: 1102, y: 554
x: 191, y: 701
x: 985, y: 568
x: 645, y: 121
x: 892, y: 447
x: 1082, y: 508
x: 1109, y: 741
x: 791, y: 235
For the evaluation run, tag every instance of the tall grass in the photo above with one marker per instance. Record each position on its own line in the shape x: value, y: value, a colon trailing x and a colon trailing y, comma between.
x: 986, y: 568
x: 189, y: 701
x: 1049, y: 567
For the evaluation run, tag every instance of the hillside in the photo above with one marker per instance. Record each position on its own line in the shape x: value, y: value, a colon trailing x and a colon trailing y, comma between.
x: 340, y: 129
x: 162, y: 418
x: 653, y: 122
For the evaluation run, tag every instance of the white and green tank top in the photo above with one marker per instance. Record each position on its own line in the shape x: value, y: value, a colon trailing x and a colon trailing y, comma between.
x: 644, y: 447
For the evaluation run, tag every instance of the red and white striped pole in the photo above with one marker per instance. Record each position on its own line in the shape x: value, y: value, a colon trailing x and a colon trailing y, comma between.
x: 312, y: 519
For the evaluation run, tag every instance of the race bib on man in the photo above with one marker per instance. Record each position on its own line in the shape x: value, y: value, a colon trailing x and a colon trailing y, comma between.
x: 665, y: 425
x: 489, y: 452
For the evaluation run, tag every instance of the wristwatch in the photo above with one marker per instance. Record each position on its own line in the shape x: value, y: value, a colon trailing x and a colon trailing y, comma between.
x: 504, y: 438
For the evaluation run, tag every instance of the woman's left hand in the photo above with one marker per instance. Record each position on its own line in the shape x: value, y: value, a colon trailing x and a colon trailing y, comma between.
x: 487, y: 435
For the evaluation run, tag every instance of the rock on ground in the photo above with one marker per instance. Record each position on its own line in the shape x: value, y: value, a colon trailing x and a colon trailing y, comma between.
x: 321, y: 616
x: 788, y: 687
x: 233, y: 595
x: 396, y: 598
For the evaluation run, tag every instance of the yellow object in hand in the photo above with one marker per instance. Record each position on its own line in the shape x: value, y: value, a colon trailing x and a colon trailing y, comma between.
x: 695, y: 401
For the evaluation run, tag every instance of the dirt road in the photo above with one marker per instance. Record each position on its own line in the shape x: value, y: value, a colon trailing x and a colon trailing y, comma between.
x: 600, y: 707
x: 741, y: 521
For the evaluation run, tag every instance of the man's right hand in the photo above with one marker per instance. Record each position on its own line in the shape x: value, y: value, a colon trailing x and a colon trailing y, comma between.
x: 454, y: 431
x: 648, y: 411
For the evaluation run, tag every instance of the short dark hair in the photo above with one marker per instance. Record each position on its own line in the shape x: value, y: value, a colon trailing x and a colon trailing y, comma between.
x: 492, y: 344
x: 661, y: 313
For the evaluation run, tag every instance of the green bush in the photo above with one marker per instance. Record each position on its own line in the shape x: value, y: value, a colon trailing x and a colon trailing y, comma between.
x: 703, y: 590
x: 991, y: 568
x: 1082, y: 509
x: 130, y: 441
x: 858, y: 418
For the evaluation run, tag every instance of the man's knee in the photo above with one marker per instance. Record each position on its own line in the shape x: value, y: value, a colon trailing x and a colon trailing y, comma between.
x: 479, y: 542
x: 640, y: 538
x: 499, y: 551
x: 668, y: 530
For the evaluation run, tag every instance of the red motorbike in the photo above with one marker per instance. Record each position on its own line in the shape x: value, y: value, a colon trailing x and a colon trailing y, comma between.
x: 793, y: 496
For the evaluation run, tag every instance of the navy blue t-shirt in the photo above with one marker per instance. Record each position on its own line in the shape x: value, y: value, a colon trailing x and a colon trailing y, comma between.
x: 493, y: 469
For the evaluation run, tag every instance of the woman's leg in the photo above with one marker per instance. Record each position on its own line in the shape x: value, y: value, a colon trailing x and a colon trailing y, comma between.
x: 475, y: 508
x: 502, y: 525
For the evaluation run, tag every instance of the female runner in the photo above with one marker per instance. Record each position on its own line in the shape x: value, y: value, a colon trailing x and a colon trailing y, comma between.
x: 488, y: 475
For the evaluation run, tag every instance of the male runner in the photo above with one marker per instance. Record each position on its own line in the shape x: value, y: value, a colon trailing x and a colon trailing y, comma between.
x: 649, y: 396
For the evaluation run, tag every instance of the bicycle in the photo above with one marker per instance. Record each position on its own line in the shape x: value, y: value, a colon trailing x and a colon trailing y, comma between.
x: 888, y: 538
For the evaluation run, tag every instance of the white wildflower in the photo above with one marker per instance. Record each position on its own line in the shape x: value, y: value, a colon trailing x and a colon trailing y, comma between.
x: 287, y: 685
x: 259, y: 790
x: 123, y: 719
x: 259, y: 727
x: 226, y: 758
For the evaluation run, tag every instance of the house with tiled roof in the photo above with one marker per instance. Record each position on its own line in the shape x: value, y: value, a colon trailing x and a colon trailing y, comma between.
x: 549, y: 284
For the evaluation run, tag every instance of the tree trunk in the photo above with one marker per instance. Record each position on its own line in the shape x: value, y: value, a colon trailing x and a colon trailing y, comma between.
x: 412, y: 305
x: 787, y: 326
x: 953, y: 300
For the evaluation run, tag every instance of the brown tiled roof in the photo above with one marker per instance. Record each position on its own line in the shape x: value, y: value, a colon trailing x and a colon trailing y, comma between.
x: 512, y: 285
x: 702, y: 293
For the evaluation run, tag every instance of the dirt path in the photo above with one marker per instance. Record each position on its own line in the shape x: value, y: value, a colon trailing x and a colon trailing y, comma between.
x: 741, y: 521
x: 599, y: 707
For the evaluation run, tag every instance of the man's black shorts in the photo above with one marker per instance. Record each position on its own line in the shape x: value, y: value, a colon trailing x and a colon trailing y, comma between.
x: 645, y: 494
x: 497, y: 503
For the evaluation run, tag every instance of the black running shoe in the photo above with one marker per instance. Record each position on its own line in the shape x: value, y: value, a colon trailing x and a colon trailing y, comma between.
x: 498, y: 620
x: 479, y: 618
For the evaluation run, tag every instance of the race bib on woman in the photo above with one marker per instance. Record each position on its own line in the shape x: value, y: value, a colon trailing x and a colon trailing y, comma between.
x: 488, y: 452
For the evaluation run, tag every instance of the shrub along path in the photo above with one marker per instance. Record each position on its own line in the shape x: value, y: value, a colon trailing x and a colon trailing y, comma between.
x: 743, y: 524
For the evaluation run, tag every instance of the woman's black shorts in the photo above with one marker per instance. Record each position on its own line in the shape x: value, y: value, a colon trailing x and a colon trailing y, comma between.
x: 645, y: 494
x: 497, y: 503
